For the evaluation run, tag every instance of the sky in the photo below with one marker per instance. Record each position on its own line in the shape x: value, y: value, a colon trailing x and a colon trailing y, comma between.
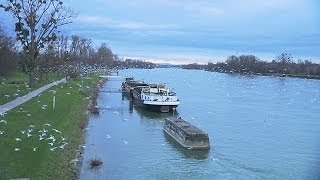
x: 185, y: 31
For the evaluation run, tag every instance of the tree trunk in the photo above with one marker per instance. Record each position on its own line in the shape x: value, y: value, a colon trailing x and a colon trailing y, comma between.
x: 32, y: 79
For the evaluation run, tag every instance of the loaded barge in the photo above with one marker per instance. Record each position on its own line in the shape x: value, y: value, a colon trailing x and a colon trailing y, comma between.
x: 186, y: 134
x: 153, y: 97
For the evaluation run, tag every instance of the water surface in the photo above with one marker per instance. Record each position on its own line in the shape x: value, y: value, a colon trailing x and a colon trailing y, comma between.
x: 259, y: 128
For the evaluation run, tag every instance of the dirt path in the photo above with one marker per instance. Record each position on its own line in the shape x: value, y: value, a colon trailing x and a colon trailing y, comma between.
x: 20, y: 100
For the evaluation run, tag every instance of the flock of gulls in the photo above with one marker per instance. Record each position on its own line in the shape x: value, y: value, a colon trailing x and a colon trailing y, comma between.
x: 45, y: 134
x: 34, y: 138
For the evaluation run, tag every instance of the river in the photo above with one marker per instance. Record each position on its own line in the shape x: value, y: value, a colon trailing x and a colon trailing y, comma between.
x: 260, y: 127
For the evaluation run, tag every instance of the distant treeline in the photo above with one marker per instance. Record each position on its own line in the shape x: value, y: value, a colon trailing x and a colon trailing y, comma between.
x: 283, y: 65
x: 65, y: 51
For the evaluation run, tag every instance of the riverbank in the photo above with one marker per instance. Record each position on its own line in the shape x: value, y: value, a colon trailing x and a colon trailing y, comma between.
x: 39, y: 141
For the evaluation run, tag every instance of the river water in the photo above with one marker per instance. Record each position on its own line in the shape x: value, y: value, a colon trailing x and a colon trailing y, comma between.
x: 259, y: 128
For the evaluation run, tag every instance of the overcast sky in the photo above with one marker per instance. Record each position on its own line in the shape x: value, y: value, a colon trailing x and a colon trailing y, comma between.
x: 200, y: 31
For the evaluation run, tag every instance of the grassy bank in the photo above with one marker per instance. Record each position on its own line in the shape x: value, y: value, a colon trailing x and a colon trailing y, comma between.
x: 17, y: 85
x: 38, y: 142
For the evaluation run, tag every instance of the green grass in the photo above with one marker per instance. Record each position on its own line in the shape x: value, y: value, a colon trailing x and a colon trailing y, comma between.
x: 17, y: 85
x: 68, y: 117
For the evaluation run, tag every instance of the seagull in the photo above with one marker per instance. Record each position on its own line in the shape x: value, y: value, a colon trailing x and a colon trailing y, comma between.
x: 53, y: 149
x: 30, y: 130
x: 74, y: 160
x: 108, y: 136
x: 38, y: 101
x: 34, y: 149
x: 1, y: 132
x: 51, y: 137
x: 22, y: 131
x: 29, y: 115
x: 40, y: 138
x: 125, y: 142
x: 3, y: 121
x: 51, y: 144
x: 63, y: 139
x: 68, y: 93
x: 57, y: 131
x: 62, y: 146
x: 47, y: 124
x: 29, y: 134
x: 17, y: 149
x: 18, y: 139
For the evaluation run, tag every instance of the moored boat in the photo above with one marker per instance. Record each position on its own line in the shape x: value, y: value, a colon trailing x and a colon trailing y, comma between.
x: 186, y: 134
x: 153, y: 97
x: 156, y: 97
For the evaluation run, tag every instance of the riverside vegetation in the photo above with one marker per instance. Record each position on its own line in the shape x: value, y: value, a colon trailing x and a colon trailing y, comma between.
x: 40, y: 142
x: 283, y: 65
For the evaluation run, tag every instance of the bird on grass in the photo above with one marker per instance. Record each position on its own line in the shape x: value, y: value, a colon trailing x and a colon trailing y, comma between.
x: 53, y: 149
x: 22, y: 131
x: 51, y: 138
x: 1, y: 132
x: 34, y: 149
x: 47, y: 124
x: 29, y: 135
x: 17, y: 149
x: 18, y: 139
x: 74, y: 160
x: 63, y: 139
x: 32, y: 126
x: 3, y: 121
x: 51, y: 144
x: 62, y: 146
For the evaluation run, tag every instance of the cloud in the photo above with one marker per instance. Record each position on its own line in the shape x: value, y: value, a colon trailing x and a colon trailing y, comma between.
x: 99, y: 20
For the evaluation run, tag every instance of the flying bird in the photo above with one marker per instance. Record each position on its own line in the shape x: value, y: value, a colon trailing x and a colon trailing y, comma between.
x: 74, y: 160
x: 57, y: 131
x: 62, y: 146
x: 53, y: 149
x: 63, y: 139
x: 40, y: 137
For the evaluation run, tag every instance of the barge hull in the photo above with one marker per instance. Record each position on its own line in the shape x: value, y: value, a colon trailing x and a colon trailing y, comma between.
x: 186, y: 134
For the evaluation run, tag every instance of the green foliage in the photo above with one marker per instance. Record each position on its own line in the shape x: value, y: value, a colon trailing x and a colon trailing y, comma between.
x: 68, y: 117
x: 36, y: 26
x: 16, y: 86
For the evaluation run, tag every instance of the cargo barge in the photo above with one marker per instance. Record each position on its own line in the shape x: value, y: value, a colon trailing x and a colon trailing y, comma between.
x: 186, y: 134
x: 153, y: 97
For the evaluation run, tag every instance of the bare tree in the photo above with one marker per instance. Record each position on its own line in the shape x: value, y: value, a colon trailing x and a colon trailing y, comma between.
x: 8, y: 56
x: 36, y: 26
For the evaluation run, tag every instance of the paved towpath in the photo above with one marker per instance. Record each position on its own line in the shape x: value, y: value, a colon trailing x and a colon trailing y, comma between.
x: 20, y: 100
